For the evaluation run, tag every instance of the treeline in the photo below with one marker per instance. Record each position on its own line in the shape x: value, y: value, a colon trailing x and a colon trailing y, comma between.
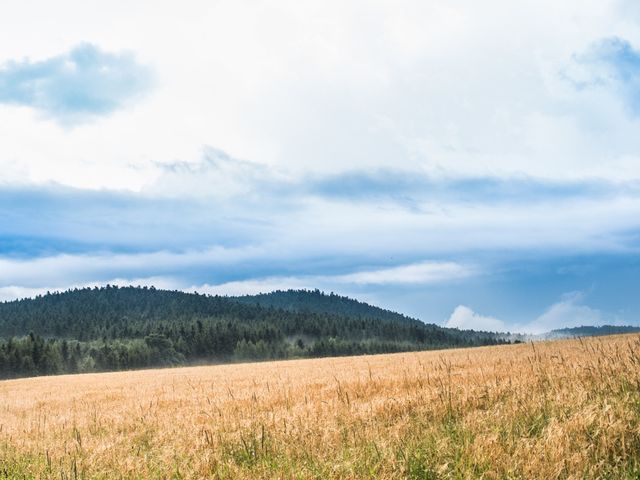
x: 115, y: 328
x: 32, y: 355
x: 591, y: 331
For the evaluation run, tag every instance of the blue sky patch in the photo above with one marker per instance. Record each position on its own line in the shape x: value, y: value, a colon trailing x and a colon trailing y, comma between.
x: 616, y: 64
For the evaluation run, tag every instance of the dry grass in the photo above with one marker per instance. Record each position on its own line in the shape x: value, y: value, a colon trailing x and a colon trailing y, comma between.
x: 566, y: 409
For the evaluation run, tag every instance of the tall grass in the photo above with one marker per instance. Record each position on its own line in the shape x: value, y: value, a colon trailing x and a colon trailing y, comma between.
x: 565, y: 409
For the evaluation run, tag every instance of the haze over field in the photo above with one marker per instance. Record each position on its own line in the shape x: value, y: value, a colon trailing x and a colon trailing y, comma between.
x: 475, y: 165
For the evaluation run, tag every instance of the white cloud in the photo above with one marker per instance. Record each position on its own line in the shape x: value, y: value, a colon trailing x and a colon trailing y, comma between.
x: 465, y: 318
x: 61, y: 271
x: 77, y: 86
x: 168, y: 268
x: 255, y: 286
x: 568, y: 312
x: 13, y: 292
x: 422, y: 273
x: 215, y: 176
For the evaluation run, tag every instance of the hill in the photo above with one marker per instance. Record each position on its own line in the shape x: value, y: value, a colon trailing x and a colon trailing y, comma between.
x: 589, y: 331
x: 114, y: 328
x: 320, y: 302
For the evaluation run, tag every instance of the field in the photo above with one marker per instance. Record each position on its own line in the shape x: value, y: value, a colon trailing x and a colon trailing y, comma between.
x: 564, y: 409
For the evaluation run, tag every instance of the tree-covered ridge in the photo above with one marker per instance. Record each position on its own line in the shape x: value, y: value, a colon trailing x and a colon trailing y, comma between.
x: 115, y: 328
x: 320, y: 302
x: 591, y: 331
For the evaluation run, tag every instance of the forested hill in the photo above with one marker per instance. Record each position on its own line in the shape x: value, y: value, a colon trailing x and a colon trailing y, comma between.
x: 589, y: 331
x: 115, y: 328
x: 320, y: 302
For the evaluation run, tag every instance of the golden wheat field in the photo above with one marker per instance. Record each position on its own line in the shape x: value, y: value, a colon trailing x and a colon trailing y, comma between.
x: 563, y: 409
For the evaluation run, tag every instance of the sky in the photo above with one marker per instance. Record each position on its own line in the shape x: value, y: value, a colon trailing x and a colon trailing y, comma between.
x: 472, y: 164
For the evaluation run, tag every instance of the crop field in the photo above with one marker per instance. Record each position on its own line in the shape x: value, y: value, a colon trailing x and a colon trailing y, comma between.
x: 563, y: 409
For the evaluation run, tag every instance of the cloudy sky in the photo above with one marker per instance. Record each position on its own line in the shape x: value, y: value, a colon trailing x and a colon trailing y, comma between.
x: 474, y: 164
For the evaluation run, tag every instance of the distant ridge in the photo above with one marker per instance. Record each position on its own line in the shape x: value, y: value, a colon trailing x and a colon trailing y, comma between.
x: 590, y: 331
